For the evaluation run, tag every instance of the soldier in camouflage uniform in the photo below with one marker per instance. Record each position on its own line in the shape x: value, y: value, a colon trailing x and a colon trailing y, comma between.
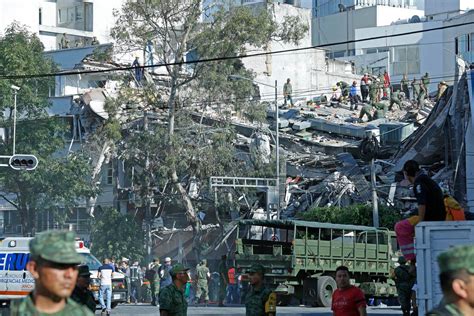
x: 81, y: 294
x: 396, y: 98
x: 457, y: 282
x: 366, y: 110
x: 404, y: 281
x: 155, y: 281
x: 380, y: 110
x: 202, y: 273
x: 172, y: 300
x: 259, y: 301
x: 373, y: 91
x: 53, y: 265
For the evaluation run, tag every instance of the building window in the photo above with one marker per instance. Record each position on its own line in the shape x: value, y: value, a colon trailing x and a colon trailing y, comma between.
x: 108, y: 175
x: 406, y: 60
x: 465, y: 47
x: 40, y: 16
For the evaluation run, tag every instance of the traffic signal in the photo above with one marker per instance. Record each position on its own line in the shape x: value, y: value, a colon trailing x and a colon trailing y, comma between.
x: 23, y: 162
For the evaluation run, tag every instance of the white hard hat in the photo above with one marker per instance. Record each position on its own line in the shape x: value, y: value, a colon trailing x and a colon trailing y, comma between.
x: 167, y: 259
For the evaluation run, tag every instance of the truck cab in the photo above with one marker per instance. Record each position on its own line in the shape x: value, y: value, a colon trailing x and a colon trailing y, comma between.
x: 16, y: 282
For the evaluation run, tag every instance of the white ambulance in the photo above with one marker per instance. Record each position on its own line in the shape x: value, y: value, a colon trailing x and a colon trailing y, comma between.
x: 17, y: 282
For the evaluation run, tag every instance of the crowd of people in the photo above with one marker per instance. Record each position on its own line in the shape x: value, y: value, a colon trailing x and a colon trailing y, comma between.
x: 371, y: 90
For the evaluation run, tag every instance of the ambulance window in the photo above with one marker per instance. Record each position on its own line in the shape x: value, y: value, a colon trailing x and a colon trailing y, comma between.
x: 92, y: 262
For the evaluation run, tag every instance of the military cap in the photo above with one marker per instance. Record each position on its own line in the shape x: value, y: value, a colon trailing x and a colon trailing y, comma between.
x: 55, y: 246
x: 402, y: 260
x: 178, y: 268
x: 256, y: 268
x: 84, y: 270
x: 457, y: 258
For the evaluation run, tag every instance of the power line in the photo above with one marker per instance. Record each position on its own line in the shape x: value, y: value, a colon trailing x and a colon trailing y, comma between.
x: 206, y: 60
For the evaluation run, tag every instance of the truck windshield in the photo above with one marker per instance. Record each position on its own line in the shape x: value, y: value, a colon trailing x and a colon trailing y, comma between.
x: 92, y: 262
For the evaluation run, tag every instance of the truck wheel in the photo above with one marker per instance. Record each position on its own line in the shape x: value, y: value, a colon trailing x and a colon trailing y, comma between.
x: 326, y: 286
x: 114, y: 304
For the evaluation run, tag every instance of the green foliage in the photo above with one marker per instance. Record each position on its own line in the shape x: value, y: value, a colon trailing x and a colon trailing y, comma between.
x: 115, y: 234
x: 60, y: 180
x: 21, y: 52
x: 357, y: 214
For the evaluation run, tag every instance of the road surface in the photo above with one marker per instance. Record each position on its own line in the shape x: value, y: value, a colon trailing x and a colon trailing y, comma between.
x: 141, y: 309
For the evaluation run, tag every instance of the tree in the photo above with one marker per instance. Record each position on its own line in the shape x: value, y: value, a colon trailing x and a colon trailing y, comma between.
x: 60, y: 181
x: 124, y: 240
x: 359, y: 214
x: 183, y: 151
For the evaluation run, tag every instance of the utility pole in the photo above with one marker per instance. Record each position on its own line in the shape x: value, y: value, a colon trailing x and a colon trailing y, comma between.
x: 148, y: 241
x: 15, y: 92
x: 375, y: 206
x: 277, y: 144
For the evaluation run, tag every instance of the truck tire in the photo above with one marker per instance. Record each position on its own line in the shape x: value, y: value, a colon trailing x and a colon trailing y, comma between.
x: 326, y: 286
x: 114, y: 304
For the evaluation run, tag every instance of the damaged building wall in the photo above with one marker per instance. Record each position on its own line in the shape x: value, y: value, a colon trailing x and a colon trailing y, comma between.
x: 308, y: 69
x: 442, y: 139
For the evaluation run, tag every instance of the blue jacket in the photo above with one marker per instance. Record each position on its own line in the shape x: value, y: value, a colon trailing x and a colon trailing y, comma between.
x: 353, y: 90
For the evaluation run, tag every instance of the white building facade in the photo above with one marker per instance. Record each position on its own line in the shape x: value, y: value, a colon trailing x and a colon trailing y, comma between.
x: 428, y: 50
x: 80, y: 20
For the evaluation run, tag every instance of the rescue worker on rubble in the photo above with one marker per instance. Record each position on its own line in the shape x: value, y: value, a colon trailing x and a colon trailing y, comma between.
x: 404, y: 281
x: 386, y: 85
x: 421, y: 97
x: 442, y: 86
x: 373, y: 90
x: 396, y: 98
x: 364, y: 87
x: 404, y: 86
x: 353, y: 96
x: 366, y: 111
x: 415, y: 85
x: 380, y: 110
x: 425, y: 81
x: 344, y: 86
x: 457, y: 282
x: 288, y: 92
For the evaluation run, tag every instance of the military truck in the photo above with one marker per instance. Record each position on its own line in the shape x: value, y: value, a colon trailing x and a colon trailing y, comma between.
x: 301, y: 257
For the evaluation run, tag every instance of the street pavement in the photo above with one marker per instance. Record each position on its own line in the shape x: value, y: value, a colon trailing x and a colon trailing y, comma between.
x: 142, y: 309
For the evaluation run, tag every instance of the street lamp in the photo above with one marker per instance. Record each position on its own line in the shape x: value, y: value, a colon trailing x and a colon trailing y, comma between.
x: 277, y: 140
x: 15, y: 91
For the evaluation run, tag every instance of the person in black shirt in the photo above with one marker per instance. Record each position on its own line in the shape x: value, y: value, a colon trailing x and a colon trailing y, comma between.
x: 430, y: 207
x: 429, y: 195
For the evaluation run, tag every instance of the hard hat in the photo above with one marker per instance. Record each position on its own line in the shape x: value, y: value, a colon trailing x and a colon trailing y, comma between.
x: 167, y: 259
x: 334, y: 88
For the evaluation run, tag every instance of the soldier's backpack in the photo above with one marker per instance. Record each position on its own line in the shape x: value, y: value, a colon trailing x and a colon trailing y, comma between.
x: 150, y: 274
x: 454, y: 210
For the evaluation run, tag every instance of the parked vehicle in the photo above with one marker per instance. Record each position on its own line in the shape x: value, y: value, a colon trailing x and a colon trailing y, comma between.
x: 433, y: 238
x: 301, y: 257
x: 16, y: 282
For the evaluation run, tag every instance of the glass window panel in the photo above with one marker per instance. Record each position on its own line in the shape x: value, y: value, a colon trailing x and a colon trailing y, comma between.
x: 413, y: 67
